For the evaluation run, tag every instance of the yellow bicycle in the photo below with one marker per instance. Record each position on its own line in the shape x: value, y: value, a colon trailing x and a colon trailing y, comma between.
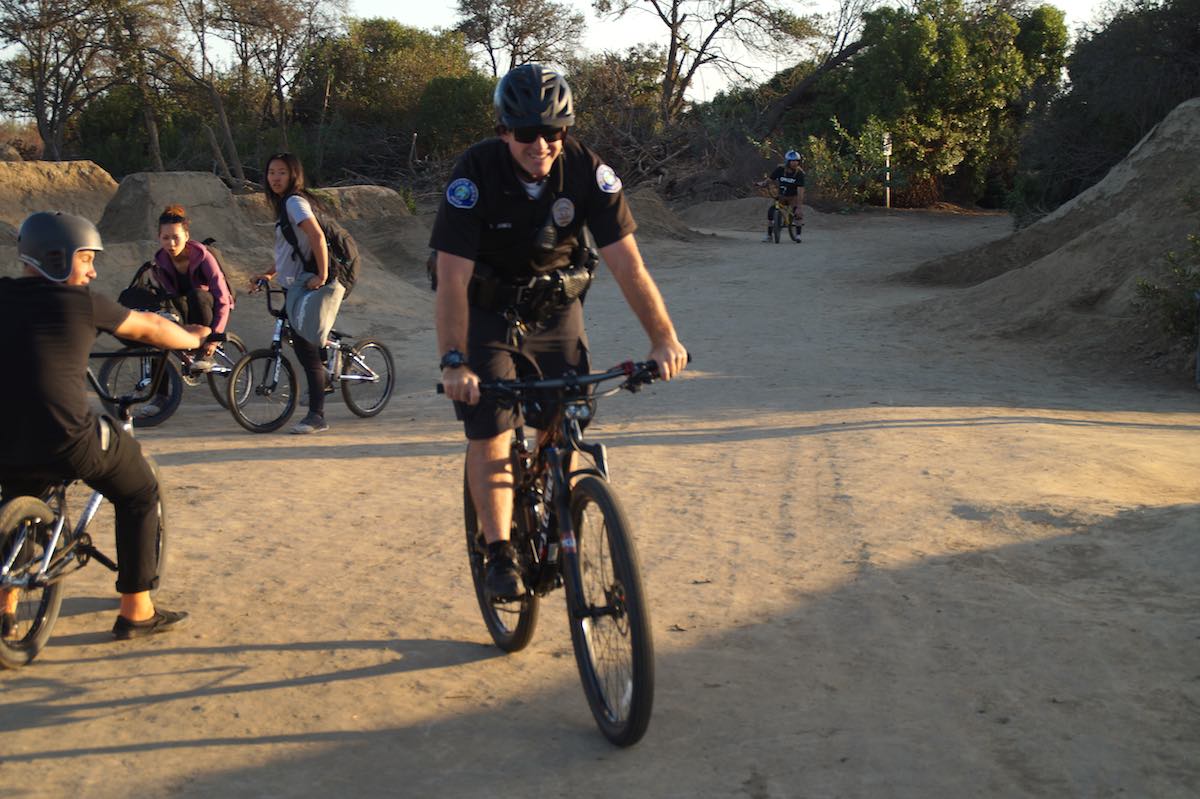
x: 782, y: 218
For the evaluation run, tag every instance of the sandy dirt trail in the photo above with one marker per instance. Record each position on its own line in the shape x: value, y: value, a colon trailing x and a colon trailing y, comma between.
x: 882, y: 562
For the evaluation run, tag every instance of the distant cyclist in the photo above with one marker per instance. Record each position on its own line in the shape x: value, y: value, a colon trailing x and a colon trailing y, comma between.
x: 789, y: 179
x: 49, y: 319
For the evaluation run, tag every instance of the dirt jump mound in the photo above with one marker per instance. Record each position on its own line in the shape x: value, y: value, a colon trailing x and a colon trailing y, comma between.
x: 1070, y: 279
x: 654, y: 218
x: 132, y: 215
x: 78, y: 187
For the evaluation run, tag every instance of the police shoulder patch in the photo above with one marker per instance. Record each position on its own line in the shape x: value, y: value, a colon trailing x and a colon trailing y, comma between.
x: 607, y: 180
x: 462, y: 193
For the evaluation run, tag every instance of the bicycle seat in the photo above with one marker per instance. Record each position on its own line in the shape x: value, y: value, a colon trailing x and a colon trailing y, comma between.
x: 336, y: 334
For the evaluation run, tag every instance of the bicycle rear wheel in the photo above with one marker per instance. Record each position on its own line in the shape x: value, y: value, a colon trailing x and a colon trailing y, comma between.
x: 794, y: 228
x: 262, y: 391
x: 224, y: 358
x: 25, y: 524
x: 368, y: 377
x: 135, y: 376
x: 511, y: 624
x: 611, y: 632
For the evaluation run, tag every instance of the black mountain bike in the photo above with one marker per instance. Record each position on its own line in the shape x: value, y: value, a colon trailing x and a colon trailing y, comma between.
x: 568, y: 529
x: 261, y: 391
x: 130, y: 373
x: 39, y: 547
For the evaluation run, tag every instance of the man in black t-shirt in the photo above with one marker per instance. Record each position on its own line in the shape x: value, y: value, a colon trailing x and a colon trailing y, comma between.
x: 789, y: 178
x: 515, y: 208
x: 49, y: 320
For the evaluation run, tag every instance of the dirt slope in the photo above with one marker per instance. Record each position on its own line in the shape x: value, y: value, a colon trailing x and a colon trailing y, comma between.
x: 79, y: 187
x: 1069, y: 279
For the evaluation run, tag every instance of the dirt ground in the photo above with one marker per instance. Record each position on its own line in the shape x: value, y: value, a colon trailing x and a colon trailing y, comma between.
x: 883, y: 560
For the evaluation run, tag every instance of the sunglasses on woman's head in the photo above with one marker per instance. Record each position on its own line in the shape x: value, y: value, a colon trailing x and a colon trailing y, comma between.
x: 530, y: 135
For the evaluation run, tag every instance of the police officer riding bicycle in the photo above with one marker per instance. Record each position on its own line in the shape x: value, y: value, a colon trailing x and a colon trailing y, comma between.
x: 49, y: 319
x: 510, y: 253
x: 789, y: 180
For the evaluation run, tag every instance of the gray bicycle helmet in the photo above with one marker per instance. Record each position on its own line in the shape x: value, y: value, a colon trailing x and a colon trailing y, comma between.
x: 48, y: 241
x: 531, y: 95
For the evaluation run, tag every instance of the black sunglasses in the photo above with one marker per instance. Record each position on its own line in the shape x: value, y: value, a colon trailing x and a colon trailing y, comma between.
x: 530, y: 134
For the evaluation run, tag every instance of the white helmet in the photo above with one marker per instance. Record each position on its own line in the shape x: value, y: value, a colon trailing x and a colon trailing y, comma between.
x: 791, y: 155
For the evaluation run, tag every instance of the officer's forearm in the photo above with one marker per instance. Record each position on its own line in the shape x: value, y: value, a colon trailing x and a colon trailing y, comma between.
x: 453, y: 275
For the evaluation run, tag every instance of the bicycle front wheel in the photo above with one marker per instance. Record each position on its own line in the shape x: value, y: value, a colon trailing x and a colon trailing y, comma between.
x: 224, y: 358
x: 368, y: 377
x: 28, y: 613
x: 511, y: 624
x: 134, y: 375
x: 611, y: 630
x: 261, y: 393
x: 776, y: 224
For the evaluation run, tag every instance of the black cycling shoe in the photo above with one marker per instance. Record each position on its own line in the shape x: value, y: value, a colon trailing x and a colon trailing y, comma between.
x: 501, y: 578
x: 161, y: 622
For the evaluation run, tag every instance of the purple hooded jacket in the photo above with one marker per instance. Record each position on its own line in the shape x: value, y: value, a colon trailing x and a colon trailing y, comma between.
x: 205, y: 275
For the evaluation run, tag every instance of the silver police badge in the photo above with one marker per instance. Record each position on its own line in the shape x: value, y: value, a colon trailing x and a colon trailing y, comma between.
x: 607, y: 180
x: 563, y: 211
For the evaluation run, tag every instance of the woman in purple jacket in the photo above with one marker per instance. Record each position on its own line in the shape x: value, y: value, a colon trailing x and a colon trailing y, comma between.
x: 192, y: 278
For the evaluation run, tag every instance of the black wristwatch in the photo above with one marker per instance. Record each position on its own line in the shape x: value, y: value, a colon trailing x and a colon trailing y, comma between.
x: 453, y: 359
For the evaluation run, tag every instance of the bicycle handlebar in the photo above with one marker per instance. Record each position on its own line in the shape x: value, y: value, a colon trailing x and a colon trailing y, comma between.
x: 636, y: 374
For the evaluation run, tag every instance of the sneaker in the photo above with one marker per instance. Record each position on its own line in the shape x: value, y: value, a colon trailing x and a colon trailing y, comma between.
x: 767, y: 239
x: 162, y: 621
x: 147, y: 410
x: 8, y: 626
x: 501, y: 579
x: 201, y: 366
x: 312, y: 423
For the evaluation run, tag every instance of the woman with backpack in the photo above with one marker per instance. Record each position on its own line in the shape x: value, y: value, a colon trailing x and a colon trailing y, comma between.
x: 303, y: 267
x: 194, y: 283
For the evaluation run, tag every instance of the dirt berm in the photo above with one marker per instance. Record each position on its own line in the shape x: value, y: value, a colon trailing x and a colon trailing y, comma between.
x: 1069, y: 280
x: 78, y: 187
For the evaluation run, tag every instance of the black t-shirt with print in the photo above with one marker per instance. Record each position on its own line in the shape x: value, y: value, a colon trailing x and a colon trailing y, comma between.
x: 789, y: 182
x: 48, y: 329
x: 488, y: 217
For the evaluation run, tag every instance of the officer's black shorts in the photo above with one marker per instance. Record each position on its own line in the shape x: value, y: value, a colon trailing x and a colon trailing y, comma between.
x: 558, y: 347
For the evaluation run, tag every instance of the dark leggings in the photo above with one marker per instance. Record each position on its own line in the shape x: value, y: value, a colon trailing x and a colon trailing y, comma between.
x: 196, y: 307
x: 309, y: 357
x: 122, y: 475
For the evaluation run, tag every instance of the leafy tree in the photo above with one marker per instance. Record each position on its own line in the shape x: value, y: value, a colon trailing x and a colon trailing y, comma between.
x: 61, y: 62
x: 376, y: 72
x: 526, y: 30
x: 453, y: 113
x: 1123, y: 79
x: 709, y: 33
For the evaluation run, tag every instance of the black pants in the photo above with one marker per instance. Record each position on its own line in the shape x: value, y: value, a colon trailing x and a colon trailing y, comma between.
x: 122, y: 475
x: 309, y: 356
x: 196, y: 307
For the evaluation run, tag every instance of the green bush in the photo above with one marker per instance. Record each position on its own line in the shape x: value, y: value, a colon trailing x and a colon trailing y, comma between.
x: 1172, y: 303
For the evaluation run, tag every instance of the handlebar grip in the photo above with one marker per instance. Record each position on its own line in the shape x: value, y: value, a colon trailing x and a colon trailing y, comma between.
x: 441, y: 389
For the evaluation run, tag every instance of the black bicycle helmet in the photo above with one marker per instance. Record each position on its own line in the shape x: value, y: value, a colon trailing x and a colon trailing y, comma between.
x: 531, y: 95
x: 48, y: 241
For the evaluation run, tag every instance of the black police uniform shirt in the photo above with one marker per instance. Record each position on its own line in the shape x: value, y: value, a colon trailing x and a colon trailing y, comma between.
x: 488, y: 217
x: 789, y: 182
x: 49, y: 329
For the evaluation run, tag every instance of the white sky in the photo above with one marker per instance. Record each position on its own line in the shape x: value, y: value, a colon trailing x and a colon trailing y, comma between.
x: 637, y: 28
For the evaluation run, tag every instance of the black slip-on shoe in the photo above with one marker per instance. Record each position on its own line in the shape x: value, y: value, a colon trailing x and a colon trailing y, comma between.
x: 161, y: 622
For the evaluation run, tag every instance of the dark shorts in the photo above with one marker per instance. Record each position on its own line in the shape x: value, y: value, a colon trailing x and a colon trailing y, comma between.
x: 560, y: 346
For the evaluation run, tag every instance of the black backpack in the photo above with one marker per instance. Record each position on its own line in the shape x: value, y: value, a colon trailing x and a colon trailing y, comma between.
x: 210, y: 244
x: 343, y: 250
